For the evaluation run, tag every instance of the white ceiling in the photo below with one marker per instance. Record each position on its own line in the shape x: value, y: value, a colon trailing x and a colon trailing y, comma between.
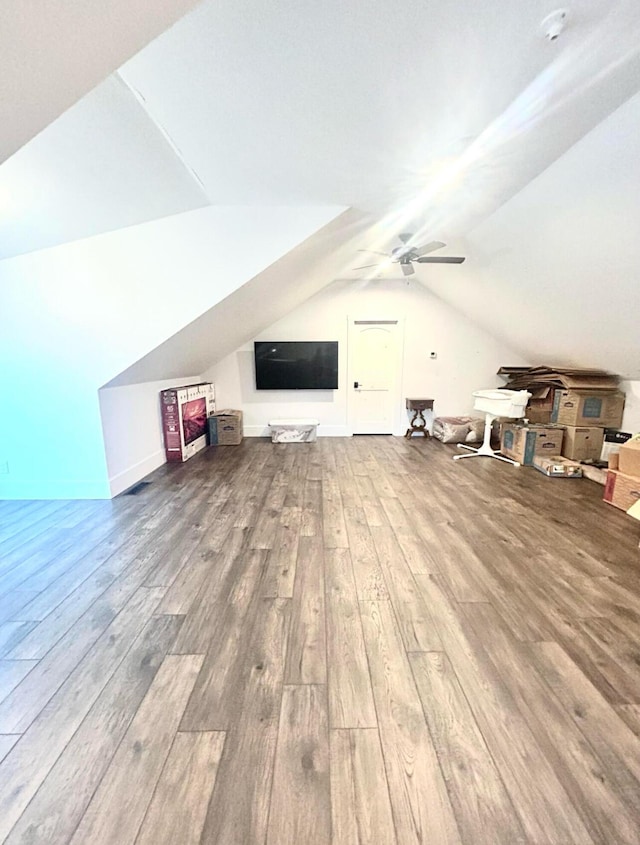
x: 363, y: 104
x: 53, y: 52
x: 431, y: 116
x: 100, y: 166
x: 555, y: 272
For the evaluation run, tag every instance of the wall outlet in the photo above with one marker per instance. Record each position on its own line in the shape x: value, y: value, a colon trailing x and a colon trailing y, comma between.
x: 4, y: 467
x: 433, y: 355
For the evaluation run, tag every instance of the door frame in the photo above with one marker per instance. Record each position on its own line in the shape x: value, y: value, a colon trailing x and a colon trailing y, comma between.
x: 352, y: 320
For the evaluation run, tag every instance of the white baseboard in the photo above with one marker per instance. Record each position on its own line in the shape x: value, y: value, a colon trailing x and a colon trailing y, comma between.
x: 256, y: 431
x: 128, y: 477
x: 334, y: 431
x: 54, y: 489
x: 323, y: 431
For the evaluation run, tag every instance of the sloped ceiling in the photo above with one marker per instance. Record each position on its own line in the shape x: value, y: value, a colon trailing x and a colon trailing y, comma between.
x: 429, y: 117
x: 52, y: 53
x: 277, y: 290
x: 555, y: 271
x: 100, y: 166
x: 365, y: 104
x: 376, y: 107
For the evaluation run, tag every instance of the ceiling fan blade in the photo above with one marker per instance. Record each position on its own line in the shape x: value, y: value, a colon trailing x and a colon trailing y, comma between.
x: 441, y: 260
x: 407, y: 269
x: 430, y: 247
x: 365, y: 267
x: 404, y: 237
x: 374, y: 252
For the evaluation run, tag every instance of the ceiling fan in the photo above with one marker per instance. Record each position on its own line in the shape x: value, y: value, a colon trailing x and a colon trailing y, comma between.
x: 405, y: 255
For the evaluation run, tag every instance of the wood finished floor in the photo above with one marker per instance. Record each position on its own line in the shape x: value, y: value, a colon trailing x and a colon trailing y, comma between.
x: 352, y: 641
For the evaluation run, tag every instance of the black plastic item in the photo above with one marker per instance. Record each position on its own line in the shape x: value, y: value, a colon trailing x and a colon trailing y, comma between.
x: 612, y: 435
x: 137, y: 488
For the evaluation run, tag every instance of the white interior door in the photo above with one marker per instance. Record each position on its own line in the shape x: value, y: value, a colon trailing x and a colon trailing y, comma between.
x: 374, y: 375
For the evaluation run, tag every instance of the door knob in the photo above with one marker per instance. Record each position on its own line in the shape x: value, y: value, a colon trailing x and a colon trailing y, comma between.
x: 356, y: 384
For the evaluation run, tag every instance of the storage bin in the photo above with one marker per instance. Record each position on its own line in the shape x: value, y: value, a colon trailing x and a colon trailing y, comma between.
x: 303, y: 430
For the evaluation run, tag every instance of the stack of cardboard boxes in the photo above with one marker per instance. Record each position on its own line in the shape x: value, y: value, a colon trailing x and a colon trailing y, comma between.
x: 582, y: 403
x: 584, y: 415
x: 579, y: 412
x: 622, y: 489
x: 575, y: 428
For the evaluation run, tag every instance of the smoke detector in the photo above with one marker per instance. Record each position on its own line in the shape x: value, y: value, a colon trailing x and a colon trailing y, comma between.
x: 554, y: 24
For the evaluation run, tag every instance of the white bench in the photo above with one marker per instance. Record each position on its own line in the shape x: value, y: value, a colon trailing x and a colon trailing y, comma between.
x: 303, y: 430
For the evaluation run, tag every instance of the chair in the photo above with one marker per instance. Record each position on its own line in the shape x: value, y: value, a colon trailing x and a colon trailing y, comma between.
x: 495, y: 403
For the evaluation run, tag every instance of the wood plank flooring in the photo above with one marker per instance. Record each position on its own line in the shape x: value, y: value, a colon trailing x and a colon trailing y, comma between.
x: 351, y: 642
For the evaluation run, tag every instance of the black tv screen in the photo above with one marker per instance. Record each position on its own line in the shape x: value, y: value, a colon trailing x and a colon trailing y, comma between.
x: 296, y: 365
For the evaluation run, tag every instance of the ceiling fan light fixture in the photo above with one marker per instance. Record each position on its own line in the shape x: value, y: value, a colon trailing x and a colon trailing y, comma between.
x: 406, y: 255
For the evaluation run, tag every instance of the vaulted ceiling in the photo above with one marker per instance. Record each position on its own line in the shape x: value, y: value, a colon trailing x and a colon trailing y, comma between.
x: 53, y: 53
x: 366, y: 104
x: 428, y: 116
x: 377, y: 106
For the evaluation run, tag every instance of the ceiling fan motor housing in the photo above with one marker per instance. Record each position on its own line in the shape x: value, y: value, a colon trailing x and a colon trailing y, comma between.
x: 404, y: 255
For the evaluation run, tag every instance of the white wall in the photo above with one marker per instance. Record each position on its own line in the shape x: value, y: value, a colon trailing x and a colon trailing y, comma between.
x: 74, y: 316
x: 50, y: 432
x: 631, y: 418
x: 468, y: 357
x: 132, y: 426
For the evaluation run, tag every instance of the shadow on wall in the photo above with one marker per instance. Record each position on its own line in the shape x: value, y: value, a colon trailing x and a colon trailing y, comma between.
x: 250, y: 395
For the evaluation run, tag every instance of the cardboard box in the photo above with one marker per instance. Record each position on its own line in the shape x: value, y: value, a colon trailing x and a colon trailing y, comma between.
x: 539, y: 410
x: 629, y: 457
x: 521, y: 443
x: 555, y: 466
x: 185, y: 411
x: 228, y: 427
x: 212, y: 422
x: 582, y: 443
x: 621, y: 491
x: 601, y: 408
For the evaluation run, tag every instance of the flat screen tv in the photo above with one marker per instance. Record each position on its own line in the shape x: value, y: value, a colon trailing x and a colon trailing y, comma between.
x: 296, y: 365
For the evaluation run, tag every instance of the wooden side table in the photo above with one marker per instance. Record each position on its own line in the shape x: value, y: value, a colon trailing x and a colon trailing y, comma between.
x: 418, y: 422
